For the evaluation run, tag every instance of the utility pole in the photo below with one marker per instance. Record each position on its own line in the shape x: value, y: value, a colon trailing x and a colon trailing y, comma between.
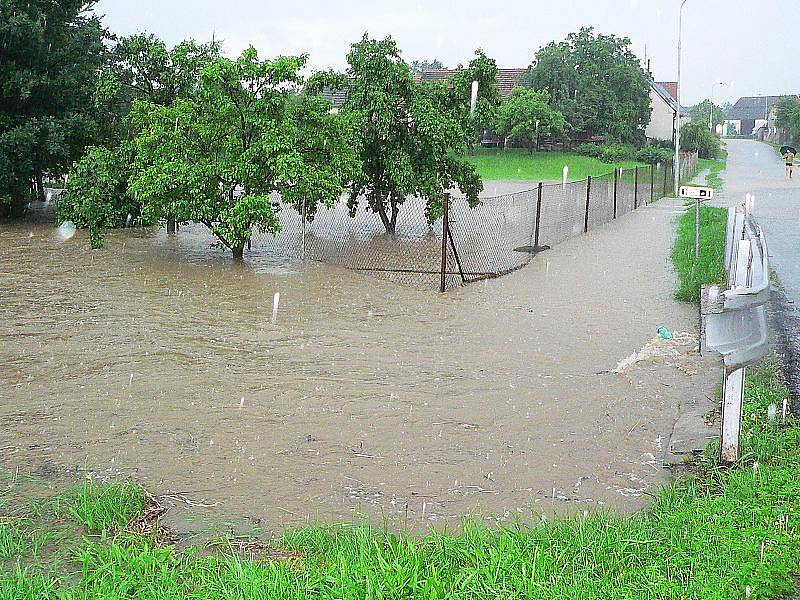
x: 711, y: 110
x: 677, y: 168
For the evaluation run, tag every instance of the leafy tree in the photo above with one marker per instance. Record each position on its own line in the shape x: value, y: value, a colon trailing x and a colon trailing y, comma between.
x: 700, y: 112
x: 216, y: 157
x: 597, y: 83
x: 417, y: 66
x: 526, y: 115
x: 696, y: 137
x: 142, y: 66
x: 788, y: 116
x: 409, y: 145
x: 50, y: 53
x: 97, y: 193
x: 455, y: 96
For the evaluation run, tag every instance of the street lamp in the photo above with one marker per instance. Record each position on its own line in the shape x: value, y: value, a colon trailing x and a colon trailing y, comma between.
x: 711, y: 110
x: 677, y: 168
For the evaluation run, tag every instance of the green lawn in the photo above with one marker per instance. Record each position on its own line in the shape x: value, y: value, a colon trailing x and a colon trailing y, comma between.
x: 711, y: 266
x: 713, y: 534
x: 517, y: 163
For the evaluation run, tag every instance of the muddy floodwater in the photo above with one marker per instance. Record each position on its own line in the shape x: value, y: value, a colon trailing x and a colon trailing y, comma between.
x: 155, y: 358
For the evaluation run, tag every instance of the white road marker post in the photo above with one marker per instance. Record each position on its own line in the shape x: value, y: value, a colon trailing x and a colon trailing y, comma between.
x: 698, y: 194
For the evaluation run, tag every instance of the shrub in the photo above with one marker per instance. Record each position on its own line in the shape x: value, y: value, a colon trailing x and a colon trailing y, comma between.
x: 609, y: 153
x: 97, y: 192
x: 652, y: 154
x: 696, y: 137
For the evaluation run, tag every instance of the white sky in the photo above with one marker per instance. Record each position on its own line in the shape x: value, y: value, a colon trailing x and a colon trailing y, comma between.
x: 748, y: 44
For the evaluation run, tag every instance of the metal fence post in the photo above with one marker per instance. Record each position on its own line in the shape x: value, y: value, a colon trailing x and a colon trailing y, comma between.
x: 303, y: 233
x: 665, y: 184
x: 588, y: 193
x: 538, y: 217
x: 635, y: 187
x: 652, y: 182
x: 616, y: 180
x: 445, y: 234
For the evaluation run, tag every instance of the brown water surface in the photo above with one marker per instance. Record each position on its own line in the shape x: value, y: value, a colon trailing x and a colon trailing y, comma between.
x: 154, y: 357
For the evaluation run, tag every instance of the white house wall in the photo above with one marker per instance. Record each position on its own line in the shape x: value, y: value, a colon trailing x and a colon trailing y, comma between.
x: 661, y: 119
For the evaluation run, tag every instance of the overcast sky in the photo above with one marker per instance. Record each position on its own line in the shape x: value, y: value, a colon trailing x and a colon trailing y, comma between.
x: 748, y: 44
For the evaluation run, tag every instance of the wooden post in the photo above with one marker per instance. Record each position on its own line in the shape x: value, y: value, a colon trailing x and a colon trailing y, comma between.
x: 588, y: 193
x: 616, y: 179
x: 538, y: 217
x: 445, y: 234
x: 635, y: 187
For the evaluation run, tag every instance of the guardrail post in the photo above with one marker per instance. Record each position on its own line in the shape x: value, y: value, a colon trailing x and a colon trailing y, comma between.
x: 588, y: 193
x: 445, y: 234
x: 732, y: 403
x: 538, y: 217
x: 616, y: 179
x: 635, y: 187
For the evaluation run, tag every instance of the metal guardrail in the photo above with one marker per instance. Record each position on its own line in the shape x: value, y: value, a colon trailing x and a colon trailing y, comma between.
x: 736, y: 323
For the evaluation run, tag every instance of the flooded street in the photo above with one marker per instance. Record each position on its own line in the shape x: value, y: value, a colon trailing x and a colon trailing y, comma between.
x: 155, y: 358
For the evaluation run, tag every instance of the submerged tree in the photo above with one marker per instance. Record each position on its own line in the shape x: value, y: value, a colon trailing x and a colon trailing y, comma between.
x: 409, y: 145
x: 217, y: 156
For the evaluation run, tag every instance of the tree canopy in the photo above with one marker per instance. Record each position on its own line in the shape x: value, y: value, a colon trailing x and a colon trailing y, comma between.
x: 50, y: 54
x: 788, y: 116
x: 216, y: 156
x: 409, y: 145
x: 596, y: 82
x: 417, y: 66
x: 700, y: 112
x: 526, y: 115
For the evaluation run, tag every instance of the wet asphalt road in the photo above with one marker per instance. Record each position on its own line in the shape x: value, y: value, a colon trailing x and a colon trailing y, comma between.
x: 757, y: 168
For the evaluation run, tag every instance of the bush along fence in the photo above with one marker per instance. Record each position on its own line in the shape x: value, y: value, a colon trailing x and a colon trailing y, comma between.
x: 500, y: 235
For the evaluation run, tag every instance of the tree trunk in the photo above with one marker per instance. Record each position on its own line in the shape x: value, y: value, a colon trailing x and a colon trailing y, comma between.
x: 393, y: 222
x: 238, y: 252
x: 170, y: 225
x: 387, y: 224
x: 40, y: 186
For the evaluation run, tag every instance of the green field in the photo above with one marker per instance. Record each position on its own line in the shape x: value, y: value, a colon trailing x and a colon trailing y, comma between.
x: 517, y: 163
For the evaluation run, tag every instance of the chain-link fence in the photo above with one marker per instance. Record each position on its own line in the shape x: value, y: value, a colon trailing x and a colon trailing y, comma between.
x: 499, y: 235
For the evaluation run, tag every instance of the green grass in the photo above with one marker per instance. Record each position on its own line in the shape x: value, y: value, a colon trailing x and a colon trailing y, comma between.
x: 709, y: 535
x: 711, y: 266
x: 517, y: 163
x: 100, y: 507
x: 714, y: 166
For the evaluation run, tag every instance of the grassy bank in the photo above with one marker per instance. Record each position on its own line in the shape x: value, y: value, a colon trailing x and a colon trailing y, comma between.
x: 711, y: 535
x: 714, y: 166
x: 710, y: 268
x: 517, y: 163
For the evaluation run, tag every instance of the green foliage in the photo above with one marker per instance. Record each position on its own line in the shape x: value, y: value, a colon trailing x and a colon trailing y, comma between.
x: 711, y: 266
x: 418, y: 66
x: 696, y: 137
x: 408, y: 144
x: 615, y: 153
x: 526, y: 116
x: 51, y: 53
x: 597, y: 83
x: 97, y: 192
x: 653, y: 154
x: 216, y: 157
x: 518, y: 163
x: 788, y: 116
x: 102, y: 507
x: 700, y: 113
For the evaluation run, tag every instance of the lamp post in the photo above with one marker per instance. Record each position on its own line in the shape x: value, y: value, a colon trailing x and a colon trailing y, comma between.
x: 711, y: 110
x: 677, y: 168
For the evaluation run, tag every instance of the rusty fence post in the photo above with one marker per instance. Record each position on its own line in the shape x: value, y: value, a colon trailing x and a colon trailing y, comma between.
x: 635, y: 187
x: 616, y: 181
x: 445, y: 234
x: 588, y: 193
x: 538, y: 217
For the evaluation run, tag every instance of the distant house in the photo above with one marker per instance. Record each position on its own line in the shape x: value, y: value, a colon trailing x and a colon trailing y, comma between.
x: 749, y: 114
x: 664, y: 108
x: 507, y: 79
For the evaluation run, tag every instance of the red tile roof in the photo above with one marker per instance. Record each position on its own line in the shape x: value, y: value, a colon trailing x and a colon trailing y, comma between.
x: 507, y: 79
x: 671, y: 87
